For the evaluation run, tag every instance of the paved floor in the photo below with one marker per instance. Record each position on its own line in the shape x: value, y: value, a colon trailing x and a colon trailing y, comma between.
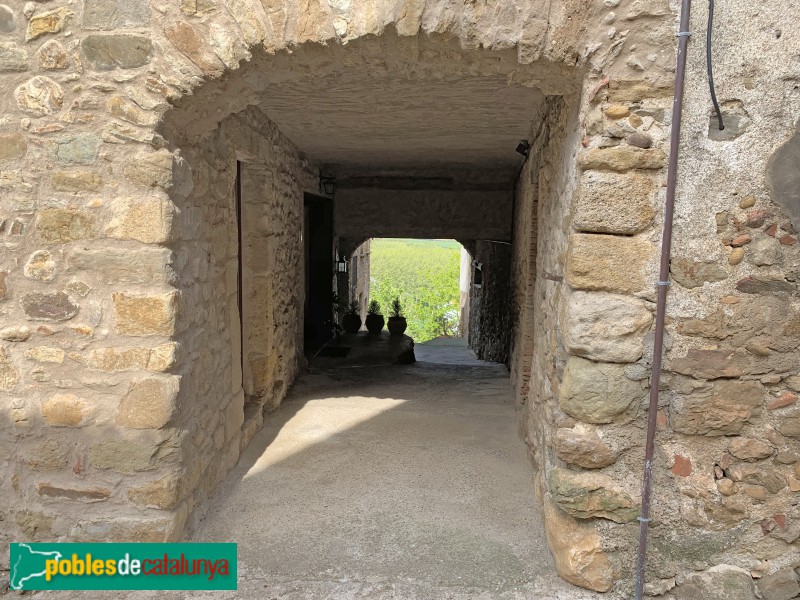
x: 405, y: 482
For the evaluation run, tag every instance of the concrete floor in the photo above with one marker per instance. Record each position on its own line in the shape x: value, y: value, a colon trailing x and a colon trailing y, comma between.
x: 404, y: 482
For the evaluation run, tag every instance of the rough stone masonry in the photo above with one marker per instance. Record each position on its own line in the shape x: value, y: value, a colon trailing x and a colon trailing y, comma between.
x: 127, y: 392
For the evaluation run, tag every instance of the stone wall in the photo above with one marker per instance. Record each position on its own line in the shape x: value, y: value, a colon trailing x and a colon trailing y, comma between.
x: 117, y: 163
x: 423, y: 214
x: 726, y: 450
x: 224, y: 394
x: 138, y: 406
x: 489, y: 318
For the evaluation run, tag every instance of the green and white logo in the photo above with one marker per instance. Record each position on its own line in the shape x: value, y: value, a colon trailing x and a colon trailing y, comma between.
x: 119, y: 566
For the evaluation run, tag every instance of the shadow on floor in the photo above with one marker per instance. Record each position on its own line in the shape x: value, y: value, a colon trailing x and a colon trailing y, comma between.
x: 388, y: 481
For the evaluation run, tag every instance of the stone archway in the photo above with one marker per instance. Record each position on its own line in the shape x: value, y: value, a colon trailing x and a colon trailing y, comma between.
x: 187, y: 119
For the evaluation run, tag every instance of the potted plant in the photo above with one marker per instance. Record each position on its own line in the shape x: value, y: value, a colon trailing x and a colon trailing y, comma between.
x: 351, y: 321
x: 397, y: 322
x: 375, y: 321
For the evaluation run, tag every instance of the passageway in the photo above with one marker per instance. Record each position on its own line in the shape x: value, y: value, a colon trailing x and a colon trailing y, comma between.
x: 389, y: 482
x: 403, y: 482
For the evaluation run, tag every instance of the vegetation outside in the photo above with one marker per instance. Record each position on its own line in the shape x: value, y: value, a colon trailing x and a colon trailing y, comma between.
x: 425, y: 275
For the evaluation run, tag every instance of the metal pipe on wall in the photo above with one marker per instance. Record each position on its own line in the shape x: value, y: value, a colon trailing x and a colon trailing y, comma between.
x: 662, y: 286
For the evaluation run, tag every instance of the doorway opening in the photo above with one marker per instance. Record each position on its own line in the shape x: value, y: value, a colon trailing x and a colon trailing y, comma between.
x: 424, y: 275
x: 319, y: 272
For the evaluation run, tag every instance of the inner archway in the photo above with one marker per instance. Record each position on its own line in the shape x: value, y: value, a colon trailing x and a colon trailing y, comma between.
x: 299, y: 157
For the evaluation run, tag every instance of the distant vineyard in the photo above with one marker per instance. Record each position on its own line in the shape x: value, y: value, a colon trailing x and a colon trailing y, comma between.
x: 424, y: 274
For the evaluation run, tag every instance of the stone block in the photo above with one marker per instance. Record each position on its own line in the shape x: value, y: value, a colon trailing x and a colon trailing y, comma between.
x: 251, y: 18
x: 52, y: 56
x: 582, y: 447
x: 780, y: 585
x: 16, y: 181
x: 8, y: 19
x: 51, y: 21
x: 124, y: 109
x: 596, y: 392
x: 105, y: 52
x: 577, y: 550
x: 622, y: 90
x: 150, y: 403
x: 163, y: 493
x: 715, y: 326
x: 621, y: 159
x: 142, y: 265
x: 49, y: 453
x: 617, y: 111
x: 123, y: 456
x: 113, y: 360
x: 12, y: 145
x: 639, y: 140
x: 15, y: 333
x: 712, y: 364
x: 618, y: 204
x: 720, y: 581
x: 145, y: 315
x: 64, y: 225
x: 153, y: 169
x: 48, y: 307
x: 783, y: 178
x: 85, y: 494
x: 765, y: 284
x: 81, y: 148
x: 765, y: 252
x: 34, y: 525
x: 184, y: 37
x: 608, y: 263
x: 45, y: 354
x: 12, y: 58
x: 8, y: 374
x: 605, y: 327
x: 129, y: 530
x: 115, y: 14
x: 40, y: 96
x: 588, y: 495
x: 790, y: 425
x: 66, y: 410
x: 40, y: 266
x: 749, y: 449
x: 148, y: 220
x: 722, y: 408
x: 691, y: 274
x: 197, y: 7
x: 76, y: 181
x: 227, y: 45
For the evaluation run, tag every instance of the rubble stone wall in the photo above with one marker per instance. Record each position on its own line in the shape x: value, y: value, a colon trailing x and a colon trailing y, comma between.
x: 726, y: 475
x: 489, y: 318
x: 117, y: 166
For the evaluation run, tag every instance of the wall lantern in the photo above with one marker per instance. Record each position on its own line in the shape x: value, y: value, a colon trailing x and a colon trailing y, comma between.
x: 523, y: 148
x: 327, y: 185
x: 341, y: 264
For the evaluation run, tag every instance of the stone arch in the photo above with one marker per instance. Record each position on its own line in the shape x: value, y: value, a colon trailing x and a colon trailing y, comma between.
x: 226, y: 121
x: 185, y: 118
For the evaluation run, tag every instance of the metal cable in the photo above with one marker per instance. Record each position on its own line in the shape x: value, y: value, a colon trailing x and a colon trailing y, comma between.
x: 709, y: 65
